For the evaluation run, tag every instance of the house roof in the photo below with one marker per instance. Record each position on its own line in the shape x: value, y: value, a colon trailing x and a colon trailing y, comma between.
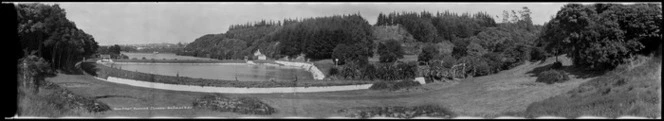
x: 258, y: 52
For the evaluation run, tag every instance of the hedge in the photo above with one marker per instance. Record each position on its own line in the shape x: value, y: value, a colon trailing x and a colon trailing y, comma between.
x: 552, y: 76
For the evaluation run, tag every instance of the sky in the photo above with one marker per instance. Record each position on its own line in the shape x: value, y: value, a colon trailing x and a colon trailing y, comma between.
x: 157, y: 22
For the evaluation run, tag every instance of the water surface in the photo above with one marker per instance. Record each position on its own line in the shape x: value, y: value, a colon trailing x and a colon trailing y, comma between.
x: 242, y: 72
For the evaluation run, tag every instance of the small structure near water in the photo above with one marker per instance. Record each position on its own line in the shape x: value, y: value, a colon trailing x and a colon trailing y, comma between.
x: 106, y: 58
x: 259, y: 55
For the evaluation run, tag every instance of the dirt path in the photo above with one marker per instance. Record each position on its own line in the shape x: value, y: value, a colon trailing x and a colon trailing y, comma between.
x: 488, y: 96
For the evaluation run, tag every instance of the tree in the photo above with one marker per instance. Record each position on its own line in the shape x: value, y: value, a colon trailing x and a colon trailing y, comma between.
x: 601, y: 36
x: 526, y: 21
x: 427, y: 54
x: 356, y: 53
x: 115, y: 49
x: 46, y: 30
x: 32, y: 70
x: 474, y: 49
x: 390, y: 51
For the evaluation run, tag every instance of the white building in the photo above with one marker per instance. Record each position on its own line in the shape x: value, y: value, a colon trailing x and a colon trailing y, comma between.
x: 260, y: 55
x: 106, y: 58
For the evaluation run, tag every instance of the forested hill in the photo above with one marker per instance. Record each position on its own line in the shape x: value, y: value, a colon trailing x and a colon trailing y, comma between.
x: 313, y: 37
x: 318, y: 37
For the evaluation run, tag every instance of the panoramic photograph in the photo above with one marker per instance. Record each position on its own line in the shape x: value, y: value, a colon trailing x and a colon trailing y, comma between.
x: 321, y: 60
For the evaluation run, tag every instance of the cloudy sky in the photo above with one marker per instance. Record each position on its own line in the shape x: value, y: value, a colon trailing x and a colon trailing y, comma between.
x: 139, y: 23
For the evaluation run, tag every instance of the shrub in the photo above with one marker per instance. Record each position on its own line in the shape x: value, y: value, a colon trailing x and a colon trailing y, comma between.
x: 390, y: 51
x: 557, y: 65
x: 243, y: 105
x: 369, y: 72
x: 476, y: 66
x: 538, y: 53
x: 406, y: 70
x: 356, y: 53
x: 552, y: 76
x: 404, y: 84
x: 494, y: 60
x: 393, y: 85
x: 448, y: 61
x: 428, y: 52
x: 352, y: 70
x: 398, y: 111
x: 333, y: 71
x: 385, y: 72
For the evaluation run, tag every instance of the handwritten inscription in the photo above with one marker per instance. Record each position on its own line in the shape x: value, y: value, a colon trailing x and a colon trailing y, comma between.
x: 155, y: 108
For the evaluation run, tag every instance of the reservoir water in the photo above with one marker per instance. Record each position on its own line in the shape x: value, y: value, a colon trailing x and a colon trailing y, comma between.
x: 160, y: 56
x: 241, y: 71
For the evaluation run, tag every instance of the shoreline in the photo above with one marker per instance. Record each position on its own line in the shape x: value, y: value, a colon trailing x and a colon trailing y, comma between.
x: 309, y: 67
x: 234, y: 90
x: 107, y: 71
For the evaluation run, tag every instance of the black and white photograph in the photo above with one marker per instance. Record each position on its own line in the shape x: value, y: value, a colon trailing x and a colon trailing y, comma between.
x: 336, y: 60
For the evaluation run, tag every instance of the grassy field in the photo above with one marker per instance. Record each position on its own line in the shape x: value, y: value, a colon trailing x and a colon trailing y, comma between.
x: 487, y: 96
x: 53, y: 100
x: 631, y: 90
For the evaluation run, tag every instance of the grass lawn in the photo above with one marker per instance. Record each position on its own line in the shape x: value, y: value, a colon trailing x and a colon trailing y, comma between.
x: 487, y: 96
x: 627, y: 91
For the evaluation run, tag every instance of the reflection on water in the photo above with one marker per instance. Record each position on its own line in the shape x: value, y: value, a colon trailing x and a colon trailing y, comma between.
x: 223, y: 72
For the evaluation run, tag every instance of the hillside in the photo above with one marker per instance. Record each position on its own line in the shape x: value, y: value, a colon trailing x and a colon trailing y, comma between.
x: 234, y: 44
x: 487, y: 96
x: 631, y: 90
x: 314, y: 37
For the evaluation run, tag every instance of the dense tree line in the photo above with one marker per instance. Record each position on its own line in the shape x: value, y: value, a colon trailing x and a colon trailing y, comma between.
x: 602, y: 36
x: 485, y: 47
x: 426, y: 27
x: 479, y: 44
x: 46, y: 30
x: 239, y: 41
x: 113, y: 51
x: 317, y: 37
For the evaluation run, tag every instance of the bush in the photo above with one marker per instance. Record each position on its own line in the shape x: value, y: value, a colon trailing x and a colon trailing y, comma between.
x: 494, y: 60
x: 448, y: 61
x: 390, y: 51
x: 243, y: 105
x: 369, y: 72
x: 393, y: 85
x: 398, y: 111
x: 428, y: 52
x: 385, y: 72
x: 351, y: 70
x: 552, y: 76
x: 476, y: 66
x: 406, y: 70
x: 333, y: 71
x: 537, y: 53
x: 557, y: 65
